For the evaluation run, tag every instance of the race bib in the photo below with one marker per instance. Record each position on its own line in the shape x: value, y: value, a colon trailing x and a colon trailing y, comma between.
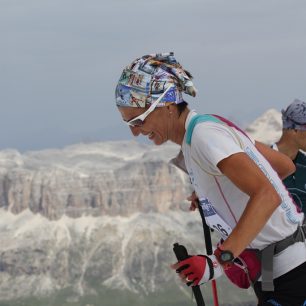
x: 213, y: 220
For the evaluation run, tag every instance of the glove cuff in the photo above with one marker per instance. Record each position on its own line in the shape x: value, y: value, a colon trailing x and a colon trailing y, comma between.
x: 215, y: 269
x: 210, y: 265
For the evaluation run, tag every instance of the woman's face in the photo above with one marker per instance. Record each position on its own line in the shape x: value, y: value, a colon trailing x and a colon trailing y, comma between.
x: 155, y: 126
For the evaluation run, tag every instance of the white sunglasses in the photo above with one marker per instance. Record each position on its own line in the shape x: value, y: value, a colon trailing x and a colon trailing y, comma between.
x: 139, y: 120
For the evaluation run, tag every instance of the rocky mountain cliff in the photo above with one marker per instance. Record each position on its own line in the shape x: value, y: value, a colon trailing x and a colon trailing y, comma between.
x: 90, y: 216
x: 89, y: 212
x: 93, y: 179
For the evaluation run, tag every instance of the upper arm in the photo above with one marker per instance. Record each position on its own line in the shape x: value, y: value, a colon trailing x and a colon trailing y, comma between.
x: 280, y: 162
x: 212, y: 143
x: 245, y: 174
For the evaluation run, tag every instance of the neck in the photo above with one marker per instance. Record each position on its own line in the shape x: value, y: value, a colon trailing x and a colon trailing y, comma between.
x: 287, y: 144
x: 177, y: 132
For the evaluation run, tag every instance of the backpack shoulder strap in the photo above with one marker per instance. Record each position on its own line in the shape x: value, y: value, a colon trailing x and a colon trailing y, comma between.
x: 213, y: 118
x: 197, y: 119
x: 193, y: 122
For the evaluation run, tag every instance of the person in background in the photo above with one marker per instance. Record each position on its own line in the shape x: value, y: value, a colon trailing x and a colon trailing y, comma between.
x: 293, y: 143
x: 236, y: 180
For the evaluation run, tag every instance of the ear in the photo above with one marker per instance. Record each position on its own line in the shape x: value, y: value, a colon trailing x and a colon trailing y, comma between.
x: 169, y: 109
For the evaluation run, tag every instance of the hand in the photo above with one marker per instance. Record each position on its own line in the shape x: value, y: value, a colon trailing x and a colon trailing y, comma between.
x: 193, y: 198
x: 198, y: 269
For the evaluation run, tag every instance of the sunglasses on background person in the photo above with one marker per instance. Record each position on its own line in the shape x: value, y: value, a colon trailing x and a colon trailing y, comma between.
x: 139, y: 120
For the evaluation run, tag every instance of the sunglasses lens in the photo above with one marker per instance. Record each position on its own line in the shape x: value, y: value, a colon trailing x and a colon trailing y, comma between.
x: 136, y: 122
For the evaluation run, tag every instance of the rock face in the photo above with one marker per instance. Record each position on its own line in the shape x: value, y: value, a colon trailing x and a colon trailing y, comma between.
x: 39, y: 256
x: 103, y: 214
x: 98, y: 179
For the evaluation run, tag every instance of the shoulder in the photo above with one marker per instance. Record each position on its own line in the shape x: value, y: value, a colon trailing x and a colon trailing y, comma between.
x: 212, y: 132
x: 212, y: 142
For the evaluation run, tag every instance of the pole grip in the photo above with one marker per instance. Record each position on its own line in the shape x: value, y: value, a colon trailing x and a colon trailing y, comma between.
x: 181, y: 253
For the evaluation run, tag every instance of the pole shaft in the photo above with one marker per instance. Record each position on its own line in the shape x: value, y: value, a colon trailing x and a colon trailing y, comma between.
x: 209, y: 251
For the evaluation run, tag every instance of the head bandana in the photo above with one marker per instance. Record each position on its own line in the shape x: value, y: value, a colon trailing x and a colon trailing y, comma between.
x: 294, y: 117
x: 145, y: 79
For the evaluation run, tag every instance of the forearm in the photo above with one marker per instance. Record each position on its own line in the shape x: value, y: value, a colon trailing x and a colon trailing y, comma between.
x: 256, y: 214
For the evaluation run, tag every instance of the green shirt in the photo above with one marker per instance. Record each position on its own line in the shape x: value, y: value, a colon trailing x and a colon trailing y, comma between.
x: 296, y: 182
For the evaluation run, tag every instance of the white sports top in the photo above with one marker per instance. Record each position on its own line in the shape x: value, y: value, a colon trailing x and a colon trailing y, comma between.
x: 212, y: 142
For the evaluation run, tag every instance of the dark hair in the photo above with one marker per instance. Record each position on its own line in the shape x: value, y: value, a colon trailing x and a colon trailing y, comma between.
x: 181, y: 107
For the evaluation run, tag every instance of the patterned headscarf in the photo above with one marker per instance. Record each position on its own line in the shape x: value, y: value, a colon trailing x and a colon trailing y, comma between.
x: 294, y: 117
x: 146, y: 78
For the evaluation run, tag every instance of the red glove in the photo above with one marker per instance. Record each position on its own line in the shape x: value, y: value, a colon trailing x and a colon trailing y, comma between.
x: 199, y: 269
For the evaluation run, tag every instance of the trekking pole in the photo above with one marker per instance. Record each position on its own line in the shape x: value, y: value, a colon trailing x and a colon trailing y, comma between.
x: 209, y: 251
x: 181, y: 254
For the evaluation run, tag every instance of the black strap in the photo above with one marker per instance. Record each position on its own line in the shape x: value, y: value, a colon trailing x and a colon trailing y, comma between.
x: 206, y: 230
x: 208, y: 242
x: 298, y: 236
x: 268, y: 253
x: 267, y: 268
x: 211, y: 267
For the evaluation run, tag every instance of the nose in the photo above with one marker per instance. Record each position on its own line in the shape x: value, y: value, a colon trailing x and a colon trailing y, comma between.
x: 135, y: 130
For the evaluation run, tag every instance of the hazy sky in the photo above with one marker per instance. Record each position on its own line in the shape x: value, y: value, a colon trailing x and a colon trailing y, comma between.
x: 60, y: 61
